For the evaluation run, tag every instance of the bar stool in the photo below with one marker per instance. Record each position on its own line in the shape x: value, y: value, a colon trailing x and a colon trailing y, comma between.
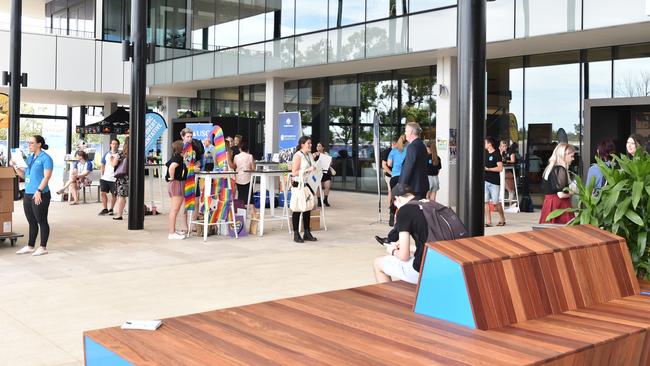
x: 510, y: 200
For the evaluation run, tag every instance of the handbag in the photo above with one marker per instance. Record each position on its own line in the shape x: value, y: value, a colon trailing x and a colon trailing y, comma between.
x: 122, y: 169
x: 302, y: 200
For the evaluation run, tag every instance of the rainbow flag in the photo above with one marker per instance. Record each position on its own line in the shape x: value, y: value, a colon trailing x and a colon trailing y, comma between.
x: 222, y: 211
x: 190, y: 185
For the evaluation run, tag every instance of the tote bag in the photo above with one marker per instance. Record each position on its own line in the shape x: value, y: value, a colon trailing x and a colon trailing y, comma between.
x: 302, y: 200
x: 122, y: 169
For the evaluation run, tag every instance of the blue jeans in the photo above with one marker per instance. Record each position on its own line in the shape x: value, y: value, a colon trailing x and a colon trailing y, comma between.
x: 492, y: 192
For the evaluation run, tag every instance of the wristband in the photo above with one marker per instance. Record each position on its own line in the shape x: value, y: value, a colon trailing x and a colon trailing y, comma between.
x: 392, y: 253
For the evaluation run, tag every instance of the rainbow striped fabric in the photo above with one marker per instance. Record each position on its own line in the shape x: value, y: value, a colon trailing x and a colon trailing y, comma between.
x: 190, y: 184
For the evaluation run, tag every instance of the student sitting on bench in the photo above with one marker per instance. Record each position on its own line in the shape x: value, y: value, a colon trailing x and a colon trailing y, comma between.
x: 399, y: 264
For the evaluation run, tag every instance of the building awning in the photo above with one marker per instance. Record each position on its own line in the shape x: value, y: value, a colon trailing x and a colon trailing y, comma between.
x: 117, y: 123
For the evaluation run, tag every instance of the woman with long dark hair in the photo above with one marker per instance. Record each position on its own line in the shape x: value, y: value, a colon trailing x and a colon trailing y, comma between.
x: 36, y: 202
x: 326, y: 181
x: 303, y: 162
x: 604, y: 151
x: 433, y: 168
x: 632, y: 144
x: 122, y: 182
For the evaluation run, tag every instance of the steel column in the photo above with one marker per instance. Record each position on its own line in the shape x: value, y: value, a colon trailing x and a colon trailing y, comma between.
x: 138, y: 111
x: 15, y: 48
x: 471, y: 104
x: 68, y: 132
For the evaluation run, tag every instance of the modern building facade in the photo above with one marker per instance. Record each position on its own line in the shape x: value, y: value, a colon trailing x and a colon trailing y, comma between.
x: 241, y: 62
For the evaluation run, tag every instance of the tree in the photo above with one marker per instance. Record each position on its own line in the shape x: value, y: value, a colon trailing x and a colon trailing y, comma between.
x: 632, y: 86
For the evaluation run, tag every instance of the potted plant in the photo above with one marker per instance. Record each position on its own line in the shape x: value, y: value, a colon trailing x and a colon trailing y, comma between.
x: 621, y: 207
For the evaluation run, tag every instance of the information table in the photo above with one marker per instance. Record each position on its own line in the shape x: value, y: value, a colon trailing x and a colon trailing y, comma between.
x: 207, y: 192
x: 267, y: 180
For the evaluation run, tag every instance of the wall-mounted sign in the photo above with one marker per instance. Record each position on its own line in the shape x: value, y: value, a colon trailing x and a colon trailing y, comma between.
x: 289, y: 133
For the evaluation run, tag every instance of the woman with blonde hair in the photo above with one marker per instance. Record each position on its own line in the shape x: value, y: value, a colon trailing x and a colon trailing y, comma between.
x: 395, y: 162
x: 433, y: 168
x: 555, y: 185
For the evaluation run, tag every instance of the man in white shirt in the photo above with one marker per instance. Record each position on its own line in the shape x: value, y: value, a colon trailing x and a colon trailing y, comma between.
x: 107, y: 180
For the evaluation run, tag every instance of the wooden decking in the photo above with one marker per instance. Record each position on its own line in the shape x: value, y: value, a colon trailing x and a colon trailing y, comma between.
x: 374, y: 325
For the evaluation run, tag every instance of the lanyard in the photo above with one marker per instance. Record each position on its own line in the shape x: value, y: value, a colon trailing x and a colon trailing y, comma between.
x: 34, y: 160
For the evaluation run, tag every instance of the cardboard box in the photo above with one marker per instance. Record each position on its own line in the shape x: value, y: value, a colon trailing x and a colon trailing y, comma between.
x: 7, y: 176
x: 314, y: 222
x: 5, y: 223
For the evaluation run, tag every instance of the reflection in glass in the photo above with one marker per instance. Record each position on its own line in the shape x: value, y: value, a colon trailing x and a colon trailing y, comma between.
x: 420, y: 5
x: 251, y: 58
x: 310, y: 15
x: 387, y: 37
x: 251, y: 29
x: 311, y: 49
x: 346, y: 44
x: 203, y: 17
x: 416, y: 102
x: 599, y: 69
x: 421, y: 38
x: 285, y: 11
x: 632, y: 71
x: 505, y: 100
x: 603, y: 13
x: 500, y: 18
x: 344, y: 12
x: 279, y: 54
x: 546, y: 17
x: 551, y: 105
x: 379, y: 9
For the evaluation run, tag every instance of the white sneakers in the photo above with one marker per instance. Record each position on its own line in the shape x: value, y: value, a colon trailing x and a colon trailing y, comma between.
x: 39, y: 251
x: 175, y: 236
x: 27, y: 249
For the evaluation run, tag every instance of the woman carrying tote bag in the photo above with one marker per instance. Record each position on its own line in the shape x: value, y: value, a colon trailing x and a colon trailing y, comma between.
x: 302, y: 198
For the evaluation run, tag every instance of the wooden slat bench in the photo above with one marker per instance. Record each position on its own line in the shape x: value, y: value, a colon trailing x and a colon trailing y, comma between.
x: 375, y: 325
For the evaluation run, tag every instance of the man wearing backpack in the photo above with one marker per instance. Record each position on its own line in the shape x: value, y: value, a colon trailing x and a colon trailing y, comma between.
x: 410, y: 222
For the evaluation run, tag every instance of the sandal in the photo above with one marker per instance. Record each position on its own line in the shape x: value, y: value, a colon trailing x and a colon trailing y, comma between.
x: 488, y: 225
x: 503, y: 223
x: 117, y: 218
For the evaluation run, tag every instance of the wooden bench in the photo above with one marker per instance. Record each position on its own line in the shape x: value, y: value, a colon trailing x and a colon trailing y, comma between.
x: 376, y: 325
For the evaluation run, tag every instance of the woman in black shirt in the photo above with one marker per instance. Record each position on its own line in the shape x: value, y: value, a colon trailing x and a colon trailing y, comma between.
x: 556, y: 185
x: 176, y: 176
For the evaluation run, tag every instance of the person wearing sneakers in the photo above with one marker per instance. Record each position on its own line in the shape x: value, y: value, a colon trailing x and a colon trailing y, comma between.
x: 36, y: 202
x: 107, y: 180
x: 176, y: 176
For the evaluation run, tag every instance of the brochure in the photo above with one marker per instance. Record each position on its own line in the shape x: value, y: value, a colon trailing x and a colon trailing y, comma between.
x: 17, y: 158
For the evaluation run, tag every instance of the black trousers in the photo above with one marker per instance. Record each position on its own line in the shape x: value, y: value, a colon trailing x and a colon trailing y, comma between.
x: 37, y: 217
x: 306, y: 218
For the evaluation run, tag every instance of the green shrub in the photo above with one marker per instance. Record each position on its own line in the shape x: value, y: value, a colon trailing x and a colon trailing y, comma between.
x: 622, y: 206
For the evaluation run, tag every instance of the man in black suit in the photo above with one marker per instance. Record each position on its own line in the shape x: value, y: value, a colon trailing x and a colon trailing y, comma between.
x: 414, y: 169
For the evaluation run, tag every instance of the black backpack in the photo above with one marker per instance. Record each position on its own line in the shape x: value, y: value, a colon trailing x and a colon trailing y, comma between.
x: 442, y: 221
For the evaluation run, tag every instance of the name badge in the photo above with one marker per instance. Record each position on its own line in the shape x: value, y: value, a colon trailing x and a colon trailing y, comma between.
x: 27, y: 180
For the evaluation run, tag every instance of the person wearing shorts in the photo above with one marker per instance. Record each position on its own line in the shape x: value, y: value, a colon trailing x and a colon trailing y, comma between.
x: 176, y: 176
x: 107, y: 179
x: 399, y: 264
x: 493, y: 166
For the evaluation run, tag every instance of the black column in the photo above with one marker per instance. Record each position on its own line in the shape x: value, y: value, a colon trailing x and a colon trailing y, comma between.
x: 68, y: 132
x: 471, y: 104
x: 14, y: 68
x: 138, y: 110
x: 82, y: 120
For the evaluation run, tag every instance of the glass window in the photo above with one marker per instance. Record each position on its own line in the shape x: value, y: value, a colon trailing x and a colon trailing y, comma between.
x: 226, y: 28
x: 500, y: 18
x: 311, y: 49
x: 420, y: 36
x: 416, y: 102
x: 420, y: 5
x: 380, y: 9
x: 343, y: 119
x: 310, y: 16
x: 280, y: 18
x: 386, y: 37
x: 632, y: 71
x: 599, y: 63
x: 603, y: 13
x: 252, y: 19
x: 203, y: 18
x: 279, y: 54
x: 505, y: 100
x: 344, y: 12
x: 114, y: 16
x: 547, y: 17
x: 346, y: 44
x: 550, y: 106
x: 251, y: 58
